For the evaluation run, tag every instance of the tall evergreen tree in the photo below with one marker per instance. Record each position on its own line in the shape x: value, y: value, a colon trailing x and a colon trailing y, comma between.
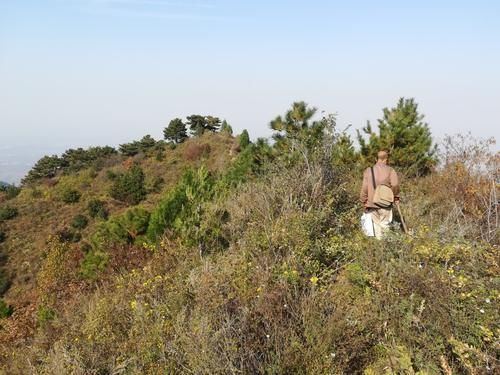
x: 212, y: 123
x: 405, y: 136
x: 297, y: 118
x: 147, y: 142
x: 244, y: 140
x: 48, y: 166
x: 130, y: 149
x: 199, y: 124
x: 196, y: 124
x: 176, y: 131
x: 297, y: 127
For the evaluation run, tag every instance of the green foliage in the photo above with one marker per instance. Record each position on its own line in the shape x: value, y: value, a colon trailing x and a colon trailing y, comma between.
x: 93, y: 263
x: 297, y: 136
x: 405, y: 136
x: 74, y: 160
x: 226, y: 128
x: 46, y: 167
x: 45, y: 314
x: 125, y: 228
x: 71, y: 161
x: 244, y: 139
x: 129, y: 187
x: 145, y: 145
x: 179, y: 211
x: 262, y: 268
x: 70, y: 196
x: 176, y: 132
x: 97, y: 209
x: 248, y: 163
x: 79, y: 222
x: 199, y: 124
x: 296, y: 119
x: 344, y: 152
x: 11, y: 191
x: 7, y: 213
x: 5, y: 309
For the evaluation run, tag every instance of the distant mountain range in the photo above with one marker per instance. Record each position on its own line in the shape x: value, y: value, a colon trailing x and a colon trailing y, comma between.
x: 4, y: 183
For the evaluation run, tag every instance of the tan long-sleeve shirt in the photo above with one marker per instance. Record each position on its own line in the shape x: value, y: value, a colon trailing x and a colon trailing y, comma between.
x: 383, y: 175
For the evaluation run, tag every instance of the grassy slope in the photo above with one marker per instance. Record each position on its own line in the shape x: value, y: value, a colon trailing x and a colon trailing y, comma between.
x: 42, y: 216
x: 297, y: 289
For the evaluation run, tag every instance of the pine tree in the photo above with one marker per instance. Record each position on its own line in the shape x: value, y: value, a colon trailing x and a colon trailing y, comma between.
x: 296, y: 127
x: 176, y: 131
x: 146, y: 143
x: 244, y: 139
x: 48, y: 166
x: 226, y: 128
x: 196, y: 124
x: 129, y: 187
x: 130, y: 149
x: 295, y: 119
x: 405, y: 136
x: 199, y: 124
x: 212, y: 123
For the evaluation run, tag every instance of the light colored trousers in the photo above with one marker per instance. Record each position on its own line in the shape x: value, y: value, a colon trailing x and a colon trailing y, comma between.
x: 382, y: 218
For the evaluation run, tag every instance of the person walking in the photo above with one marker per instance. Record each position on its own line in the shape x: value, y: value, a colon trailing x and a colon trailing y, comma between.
x: 374, y: 178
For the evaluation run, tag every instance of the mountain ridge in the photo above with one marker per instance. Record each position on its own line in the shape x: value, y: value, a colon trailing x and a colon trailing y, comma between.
x: 217, y: 253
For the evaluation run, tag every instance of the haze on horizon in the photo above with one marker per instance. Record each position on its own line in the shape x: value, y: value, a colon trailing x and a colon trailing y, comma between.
x: 93, y: 72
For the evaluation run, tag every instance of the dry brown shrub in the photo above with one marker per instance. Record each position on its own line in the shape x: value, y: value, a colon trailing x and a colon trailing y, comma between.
x: 195, y: 151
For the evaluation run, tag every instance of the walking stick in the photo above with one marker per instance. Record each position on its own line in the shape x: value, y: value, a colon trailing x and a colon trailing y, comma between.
x: 402, y: 219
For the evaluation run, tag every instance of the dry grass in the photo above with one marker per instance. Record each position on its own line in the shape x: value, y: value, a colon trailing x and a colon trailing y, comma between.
x: 298, y: 289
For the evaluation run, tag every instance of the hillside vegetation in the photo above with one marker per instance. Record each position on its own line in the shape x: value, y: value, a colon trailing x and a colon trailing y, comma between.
x: 212, y: 254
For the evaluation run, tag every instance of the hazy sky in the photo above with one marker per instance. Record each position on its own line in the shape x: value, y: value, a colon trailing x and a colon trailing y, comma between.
x: 82, y: 72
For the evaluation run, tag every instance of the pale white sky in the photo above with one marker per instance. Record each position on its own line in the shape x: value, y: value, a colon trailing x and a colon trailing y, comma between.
x: 87, y: 72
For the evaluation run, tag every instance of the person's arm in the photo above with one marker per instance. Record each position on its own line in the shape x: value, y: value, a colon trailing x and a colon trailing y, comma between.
x: 363, y: 195
x: 394, y: 184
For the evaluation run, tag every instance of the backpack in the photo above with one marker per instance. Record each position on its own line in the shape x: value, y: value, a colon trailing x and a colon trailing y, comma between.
x: 383, y: 196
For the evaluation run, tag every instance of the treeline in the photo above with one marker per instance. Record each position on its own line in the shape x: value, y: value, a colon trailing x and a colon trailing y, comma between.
x: 401, y: 131
x: 74, y: 160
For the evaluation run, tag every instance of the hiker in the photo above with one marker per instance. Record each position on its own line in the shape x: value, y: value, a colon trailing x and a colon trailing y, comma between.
x: 381, y: 210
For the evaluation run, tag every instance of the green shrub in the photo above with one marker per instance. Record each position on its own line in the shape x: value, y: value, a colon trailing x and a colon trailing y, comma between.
x: 92, y: 264
x: 244, y: 139
x: 129, y: 187
x: 97, y: 209
x: 45, y: 314
x: 7, y: 213
x: 5, y: 310
x: 79, y: 222
x: 179, y: 210
x: 123, y: 229
x: 70, y: 196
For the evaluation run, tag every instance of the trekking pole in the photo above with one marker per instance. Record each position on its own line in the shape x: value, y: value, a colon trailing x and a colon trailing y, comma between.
x: 402, y: 219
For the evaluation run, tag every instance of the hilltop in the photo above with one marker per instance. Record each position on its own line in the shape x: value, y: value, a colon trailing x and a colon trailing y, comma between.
x: 214, y: 254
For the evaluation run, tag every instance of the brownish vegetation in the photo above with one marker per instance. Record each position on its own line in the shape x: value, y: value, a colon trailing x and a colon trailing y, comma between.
x: 260, y: 268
